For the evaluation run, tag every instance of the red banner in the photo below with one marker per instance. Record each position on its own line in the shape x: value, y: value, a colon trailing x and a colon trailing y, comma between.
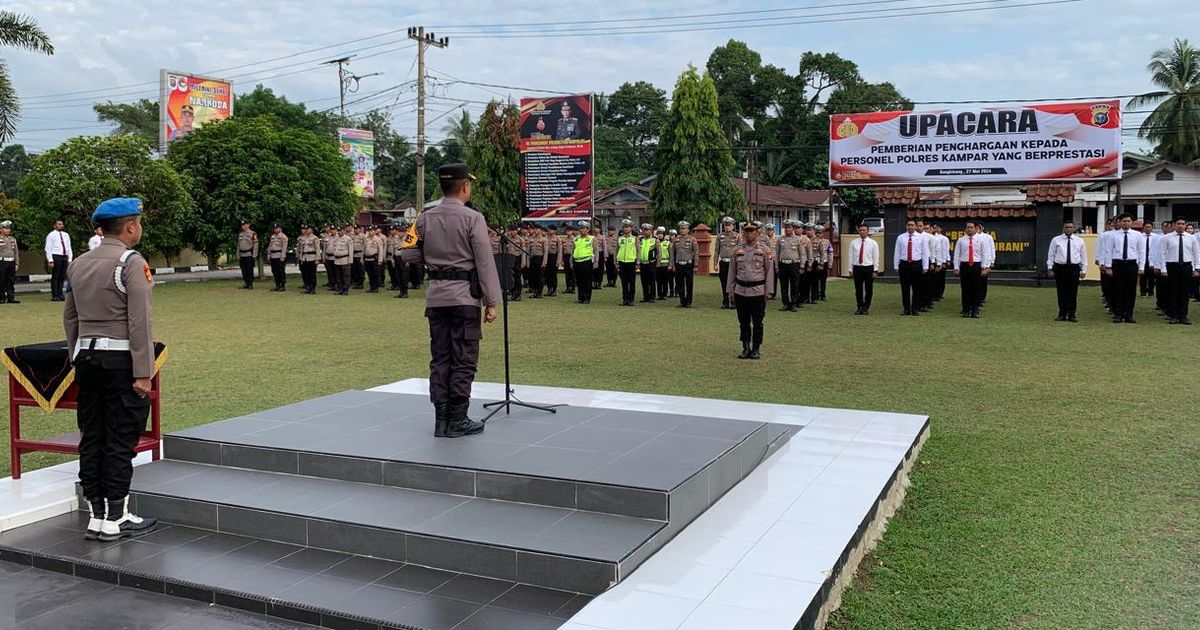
x: 556, y: 157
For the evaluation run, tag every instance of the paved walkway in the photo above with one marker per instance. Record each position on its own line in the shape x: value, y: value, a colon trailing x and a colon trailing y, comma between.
x: 33, y: 599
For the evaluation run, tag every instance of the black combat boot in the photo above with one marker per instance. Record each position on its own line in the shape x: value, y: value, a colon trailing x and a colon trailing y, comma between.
x: 745, y: 350
x: 121, y: 523
x: 459, y: 424
x: 96, y: 512
x: 441, y: 413
x: 754, y: 353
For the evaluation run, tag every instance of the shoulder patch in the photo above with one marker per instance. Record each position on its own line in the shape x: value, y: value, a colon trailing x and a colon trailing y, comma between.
x: 149, y: 274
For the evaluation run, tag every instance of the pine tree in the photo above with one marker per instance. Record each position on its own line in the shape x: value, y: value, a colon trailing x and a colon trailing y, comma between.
x: 693, y: 158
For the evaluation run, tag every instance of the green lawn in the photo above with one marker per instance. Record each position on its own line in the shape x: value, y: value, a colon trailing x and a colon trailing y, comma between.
x: 1060, y: 487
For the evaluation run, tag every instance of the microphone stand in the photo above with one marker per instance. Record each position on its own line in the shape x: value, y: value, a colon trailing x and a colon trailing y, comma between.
x: 510, y: 397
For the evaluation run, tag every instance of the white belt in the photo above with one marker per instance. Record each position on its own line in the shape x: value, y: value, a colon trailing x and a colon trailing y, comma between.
x: 7, y: 259
x: 102, y: 343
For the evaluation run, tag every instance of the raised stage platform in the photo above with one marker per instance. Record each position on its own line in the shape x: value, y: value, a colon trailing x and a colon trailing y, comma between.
x: 345, y: 512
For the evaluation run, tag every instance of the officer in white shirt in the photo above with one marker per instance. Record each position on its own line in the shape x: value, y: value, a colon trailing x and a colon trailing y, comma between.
x: 1146, y: 264
x: 58, y: 255
x: 97, y: 238
x: 1121, y: 255
x: 866, y: 265
x: 1180, y: 255
x: 1160, y: 272
x: 942, y: 248
x: 925, y: 286
x: 911, y: 260
x: 1102, y: 247
x: 981, y: 233
x: 1067, y: 262
x: 972, y: 264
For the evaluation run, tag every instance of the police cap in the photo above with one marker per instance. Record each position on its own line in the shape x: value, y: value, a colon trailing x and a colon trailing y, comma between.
x: 753, y: 225
x: 684, y: 224
x: 450, y: 172
x: 728, y: 220
x: 647, y: 226
x: 820, y: 228
x: 585, y: 224
x: 660, y: 229
x: 5, y: 224
x: 116, y: 208
x: 674, y: 232
x: 626, y: 222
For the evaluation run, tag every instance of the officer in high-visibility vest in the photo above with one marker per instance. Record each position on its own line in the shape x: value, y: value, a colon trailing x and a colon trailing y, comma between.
x: 661, y: 275
x: 583, y: 259
x: 627, y: 262
x: 648, y: 261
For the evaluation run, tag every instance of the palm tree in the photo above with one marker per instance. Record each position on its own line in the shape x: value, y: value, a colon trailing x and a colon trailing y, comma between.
x: 1175, y: 122
x: 22, y: 32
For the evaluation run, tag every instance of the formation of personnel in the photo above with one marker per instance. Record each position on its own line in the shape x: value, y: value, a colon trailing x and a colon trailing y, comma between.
x: 1165, y: 266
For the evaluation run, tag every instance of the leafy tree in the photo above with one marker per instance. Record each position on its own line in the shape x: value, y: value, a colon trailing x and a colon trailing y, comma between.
x: 617, y: 161
x: 458, y: 135
x: 257, y: 170
x: 133, y: 119
x: 1175, y: 122
x: 70, y: 180
x: 693, y: 158
x: 495, y: 159
x: 21, y: 32
x: 14, y: 164
x: 263, y: 101
x: 745, y: 87
x: 639, y: 111
x: 859, y: 202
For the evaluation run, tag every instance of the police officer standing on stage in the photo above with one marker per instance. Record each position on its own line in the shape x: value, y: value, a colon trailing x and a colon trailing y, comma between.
x: 277, y: 256
x: 683, y: 263
x: 247, y: 251
x: 1067, y: 262
x: 751, y: 276
x: 726, y: 241
x: 10, y: 263
x: 107, y: 318
x: 308, y: 251
x: 454, y: 245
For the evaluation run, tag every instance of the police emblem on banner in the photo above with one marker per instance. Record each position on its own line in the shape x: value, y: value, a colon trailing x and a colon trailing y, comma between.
x: 847, y: 128
x: 1100, y: 114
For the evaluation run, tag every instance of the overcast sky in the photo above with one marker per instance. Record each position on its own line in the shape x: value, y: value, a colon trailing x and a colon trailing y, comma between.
x: 114, y: 50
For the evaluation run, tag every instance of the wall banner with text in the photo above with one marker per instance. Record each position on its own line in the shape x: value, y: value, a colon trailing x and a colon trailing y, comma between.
x: 556, y: 157
x: 1063, y: 142
x: 188, y: 101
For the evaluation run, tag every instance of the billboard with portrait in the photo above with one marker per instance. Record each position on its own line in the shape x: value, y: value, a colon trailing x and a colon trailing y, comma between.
x: 358, y: 146
x: 556, y: 157
x: 189, y: 101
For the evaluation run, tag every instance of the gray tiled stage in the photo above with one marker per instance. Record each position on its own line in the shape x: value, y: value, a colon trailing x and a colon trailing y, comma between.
x: 579, y: 444
x: 279, y: 573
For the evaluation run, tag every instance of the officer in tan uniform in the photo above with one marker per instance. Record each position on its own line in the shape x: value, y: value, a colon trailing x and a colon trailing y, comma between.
x: 823, y: 258
x: 662, y: 276
x: 570, y: 233
x: 512, y: 252
x: 308, y: 252
x: 398, y: 261
x: 602, y: 246
x: 277, y: 248
x: 358, y: 273
x: 535, y: 246
x: 373, y: 246
x: 683, y: 263
x: 327, y: 237
x: 342, y: 248
x: 10, y: 263
x: 726, y: 241
x: 751, y: 276
x: 247, y: 252
x: 610, y: 263
x: 553, y: 259
x: 792, y: 256
x: 454, y: 244
x: 107, y: 319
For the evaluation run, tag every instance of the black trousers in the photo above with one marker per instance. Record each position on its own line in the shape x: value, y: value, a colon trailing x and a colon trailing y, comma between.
x: 598, y: 275
x: 628, y: 274
x: 550, y: 277
x: 970, y: 278
x: 583, y: 271
x: 246, y: 263
x: 278, y: 272
x: 308, y: 275
x: 814, y: 285
x: 8, y: 280
x: 374, y: 274
x: 910, y: 277
x: 1066, y: 282
x: 805, y: 282
x: 510, y: 274
x: 58, y: 275
x: 610, y: 269
x: 1179, y: 280
x: 924, y: 290
x: 750, y: 312
x: 723, y: 274
x: 416, y: 275
x: 393, y: 270
x: 534, y: 273
x: 662, y: 278
x: 568, y: 273
x: 648, y: 284
x: 111, y: 418
x: 357, y: 273
x: 454, y: 334
x: 684, y: 275
x: 864, y: 285
x: 983, y: 287
x: 1124, y: 287
x: 343, y: 277
x: 330, y: 273
x: 1106, y: 288
x: 1160, y: 294
x: 1147, y: 281
x: 822, y: 277
x: 789, y: 284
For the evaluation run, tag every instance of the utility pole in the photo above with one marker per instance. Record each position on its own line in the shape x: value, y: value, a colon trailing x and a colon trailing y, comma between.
x: 423, y: 39
x: 341, y: 63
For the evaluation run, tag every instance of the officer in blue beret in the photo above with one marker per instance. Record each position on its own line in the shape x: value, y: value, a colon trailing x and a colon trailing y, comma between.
x: 108, y: 320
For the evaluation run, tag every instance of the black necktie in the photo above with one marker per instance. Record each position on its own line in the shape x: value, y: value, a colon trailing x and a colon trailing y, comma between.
x: 1181, y: 248
x: 1068, y: 250
x: 1125, y: 248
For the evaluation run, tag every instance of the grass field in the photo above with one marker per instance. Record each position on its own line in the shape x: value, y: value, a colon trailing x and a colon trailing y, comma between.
x: 1060, y: 487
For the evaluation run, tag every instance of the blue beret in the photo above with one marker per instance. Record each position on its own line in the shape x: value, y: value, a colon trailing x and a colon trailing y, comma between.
x: 117, y: 208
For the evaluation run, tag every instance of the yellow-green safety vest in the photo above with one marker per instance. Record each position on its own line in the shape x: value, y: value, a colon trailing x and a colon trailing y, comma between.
x: 648, y: 245
x: 664, y: 252
x: 583, y: 248
x: 627, y: 249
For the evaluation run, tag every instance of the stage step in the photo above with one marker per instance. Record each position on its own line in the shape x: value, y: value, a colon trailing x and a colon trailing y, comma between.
x: 314, y: 586
x: 546, y: 546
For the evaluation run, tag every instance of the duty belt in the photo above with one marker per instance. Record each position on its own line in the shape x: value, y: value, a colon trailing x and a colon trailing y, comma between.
x: 726, y: 259
x: 245, y: 251
x: 788, y: 262
x: 370, y: 258
x: 449, y: 274
x: 102, y: 343
x: 751, y: 283
x: 7, y: 259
